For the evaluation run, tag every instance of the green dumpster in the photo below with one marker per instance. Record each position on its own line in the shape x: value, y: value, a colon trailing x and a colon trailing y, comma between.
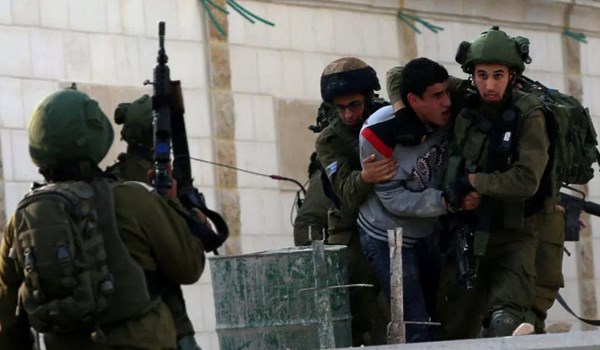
x: 268, y: 300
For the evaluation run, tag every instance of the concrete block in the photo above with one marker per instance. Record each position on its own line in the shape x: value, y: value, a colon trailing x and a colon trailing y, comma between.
x: 5, y: 12
x: 102, y: 53
x: 54, y: 13
x: 313, y: 66
x: 371, y: 38
x: 427, y: 45
x: 77, y: 57
x: 244, y: 69
x: 302, y: 30
x: 278, y: 36
x: 259, y: 213
x: 47, y: 54
x: 269, y: 71
x: 191, y: 20
x: 293, y: 83
x: 591, y: 89
x: 188, y: 63
x: 33, y: 92
x: 23, y: 167
x: 114, y: 16
x: 324, y: 32
x: 203, y: 173
x: 197, y: 112
x: 348, y: 33
x: 255, y: 34
x: 18, y: 63
x: 159, y: 10
x: 13, y: 193
x: 89, y: 15
x: 259, y: 157
x: 390, y: 40
x: 127, y: 61
x: 132, y: 16
x: 11, y: 104
x: 244, y: 117
x: 26, y: 12
x: 264, y: 118
x: 236, y: 33
x: 7, y: 155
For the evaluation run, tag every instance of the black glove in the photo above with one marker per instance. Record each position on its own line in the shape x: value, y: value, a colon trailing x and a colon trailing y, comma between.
x: 456, y: 191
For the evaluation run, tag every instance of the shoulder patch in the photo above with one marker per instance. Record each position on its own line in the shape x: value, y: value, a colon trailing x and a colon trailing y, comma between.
x: 331, y: 169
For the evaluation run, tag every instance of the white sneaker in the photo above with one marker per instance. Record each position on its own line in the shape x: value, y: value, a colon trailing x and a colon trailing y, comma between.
x: 524, y: 329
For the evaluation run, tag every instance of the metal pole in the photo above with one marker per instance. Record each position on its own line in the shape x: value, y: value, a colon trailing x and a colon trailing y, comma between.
x: 326, y: 334
x: 396, y: 328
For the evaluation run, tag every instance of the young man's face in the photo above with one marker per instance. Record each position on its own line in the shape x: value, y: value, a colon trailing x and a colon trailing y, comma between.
x: 351, y: 108
x: 491, y: 80
x: 433, y: 107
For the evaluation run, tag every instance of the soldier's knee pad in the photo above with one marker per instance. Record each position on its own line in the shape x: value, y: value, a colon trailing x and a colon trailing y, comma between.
x: 501, y: 324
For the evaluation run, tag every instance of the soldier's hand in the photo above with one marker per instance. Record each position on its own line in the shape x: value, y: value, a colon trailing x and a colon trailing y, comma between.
x: 378, y: 171
x: 471, y: 201
x: 562, y: 209
x: 172, y: 191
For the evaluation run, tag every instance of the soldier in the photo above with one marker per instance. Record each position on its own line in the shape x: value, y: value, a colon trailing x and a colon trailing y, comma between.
x: 349, y: 84
x: 501, y: 153
x: 312, y: 215
x: 81, y: 256
x: 137, y: 131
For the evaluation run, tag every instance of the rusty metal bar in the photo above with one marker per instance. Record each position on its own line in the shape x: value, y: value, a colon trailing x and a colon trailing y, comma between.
x: 396, y: 328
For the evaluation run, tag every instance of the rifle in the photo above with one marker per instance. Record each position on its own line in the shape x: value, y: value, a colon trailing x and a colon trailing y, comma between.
x: 573, y: 206
x: 169, y: 130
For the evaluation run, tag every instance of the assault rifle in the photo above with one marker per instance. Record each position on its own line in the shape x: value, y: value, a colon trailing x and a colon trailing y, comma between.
x: 169, y: 130
x: 573, y: 206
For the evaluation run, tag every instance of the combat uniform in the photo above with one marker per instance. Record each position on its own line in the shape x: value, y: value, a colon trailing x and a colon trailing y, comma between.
x: 506, y: 276
x: 313, y: 213
x: 337, y: 149
x: 134, y: 165
x: 153, y: 232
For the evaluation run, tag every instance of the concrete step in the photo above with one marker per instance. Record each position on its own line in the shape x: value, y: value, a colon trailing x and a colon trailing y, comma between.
x: 586, y: 340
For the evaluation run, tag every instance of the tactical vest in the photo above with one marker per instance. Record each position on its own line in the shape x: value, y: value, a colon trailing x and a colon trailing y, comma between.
x: 78, y: 273
x: 491, y: 144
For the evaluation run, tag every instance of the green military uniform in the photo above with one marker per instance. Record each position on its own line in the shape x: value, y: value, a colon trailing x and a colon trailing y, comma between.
x: 313, y: 213
x: 506, y: 275
x: 68, y: 136
x: 508, y: 149
x: 550, y: 227
x: 339, y: 143
x: 134, y: 165
x: 337, y: 151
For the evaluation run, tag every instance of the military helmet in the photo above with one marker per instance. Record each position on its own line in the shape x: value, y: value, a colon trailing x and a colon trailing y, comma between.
x: 347, y: 75
x: 68, y: 125
x: 494, y: 46
x: 136, y: 118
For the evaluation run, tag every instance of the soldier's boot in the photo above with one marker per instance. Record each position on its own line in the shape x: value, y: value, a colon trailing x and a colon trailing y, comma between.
x: 500, y: 324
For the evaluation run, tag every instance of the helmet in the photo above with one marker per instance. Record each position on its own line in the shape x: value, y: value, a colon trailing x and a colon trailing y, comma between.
x: 68, y: 125
x: 494, y: 46
x: 347, y: 75
x: 136, y: 118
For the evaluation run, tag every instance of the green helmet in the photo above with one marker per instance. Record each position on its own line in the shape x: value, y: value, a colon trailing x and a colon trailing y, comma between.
x: 494, y: 46
x: 68, y: 125
x: 136, y: 118
x: 347, y: 75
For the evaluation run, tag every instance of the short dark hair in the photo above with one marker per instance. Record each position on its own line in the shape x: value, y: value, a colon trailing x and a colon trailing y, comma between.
x: 418, y: 74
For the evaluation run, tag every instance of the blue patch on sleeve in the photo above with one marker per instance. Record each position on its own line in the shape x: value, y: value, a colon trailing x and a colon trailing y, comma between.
x: 331, y: 169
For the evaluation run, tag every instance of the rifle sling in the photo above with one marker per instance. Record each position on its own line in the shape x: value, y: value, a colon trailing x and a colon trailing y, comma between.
x: 564, y: 304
